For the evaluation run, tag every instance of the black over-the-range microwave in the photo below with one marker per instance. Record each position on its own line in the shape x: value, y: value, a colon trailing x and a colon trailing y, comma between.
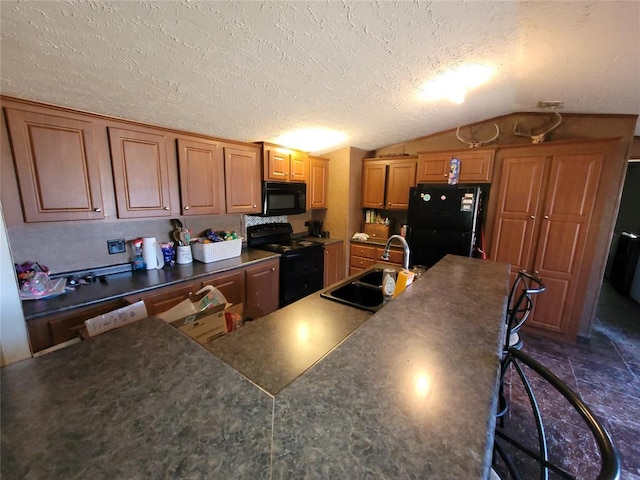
x: 280, y: 198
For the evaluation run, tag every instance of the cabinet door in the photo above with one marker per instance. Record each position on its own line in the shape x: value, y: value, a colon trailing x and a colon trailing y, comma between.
x: 333, y: 263
x: 276, y: 167
x: 162, y: 299
x: 48, y: 331
x: 433, y: 167
x: 231, y: 284
x: 318, y: 183
x: 140, y: 173
x: 201, y: 166
x: 564, y: 227
x: 242, y: 181
x: 374, y: 176
x: 518, y: 204
x: 57, y: 166
x: 475, y: 166
x: 263, y: 288
x: 402, y: 176
x: 298, y: 167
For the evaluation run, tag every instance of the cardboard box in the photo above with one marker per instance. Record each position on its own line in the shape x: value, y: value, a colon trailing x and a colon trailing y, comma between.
x: 211, y: 323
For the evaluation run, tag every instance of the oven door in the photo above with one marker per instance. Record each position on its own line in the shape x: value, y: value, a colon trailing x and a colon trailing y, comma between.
x: 284, y: 198
x: 301, y: 274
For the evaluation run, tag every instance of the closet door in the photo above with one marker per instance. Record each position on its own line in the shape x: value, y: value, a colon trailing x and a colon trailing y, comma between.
x: 517, y: 210
x: 564, y: 228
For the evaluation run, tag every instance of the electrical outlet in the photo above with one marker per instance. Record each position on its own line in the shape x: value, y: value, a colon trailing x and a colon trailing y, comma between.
x: 116, y: 246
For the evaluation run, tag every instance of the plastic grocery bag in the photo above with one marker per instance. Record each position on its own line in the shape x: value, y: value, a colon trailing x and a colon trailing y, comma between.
x: 195, y: 304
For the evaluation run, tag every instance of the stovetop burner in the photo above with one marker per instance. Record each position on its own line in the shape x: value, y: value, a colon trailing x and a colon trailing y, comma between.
x: 277, y: 237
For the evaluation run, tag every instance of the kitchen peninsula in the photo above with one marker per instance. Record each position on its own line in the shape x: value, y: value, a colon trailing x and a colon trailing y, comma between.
x: 410, y: 393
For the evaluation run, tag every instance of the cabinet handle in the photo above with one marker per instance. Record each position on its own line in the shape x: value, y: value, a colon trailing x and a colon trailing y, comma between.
x: 546, y: 217
x: 187, y: 207
x: 533, y: 217
x: 380, y: 204
x: 254, y: 206
x: 166, y: 208
x: 273, y: 269
x: 98, y: 210
x: 388, y: 203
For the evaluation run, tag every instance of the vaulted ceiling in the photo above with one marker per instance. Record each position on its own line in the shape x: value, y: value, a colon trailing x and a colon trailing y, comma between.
x: 251, y: 71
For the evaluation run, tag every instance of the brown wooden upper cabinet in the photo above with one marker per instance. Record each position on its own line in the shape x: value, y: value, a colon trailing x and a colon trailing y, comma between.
x: 242, y: 180
x: 140, y: 173
x: 57, y: 165
x: 386, y: 183
x: 201, y: 168
x: 282, y: 164
x: 476, y: 165
x: 318, y: 185
x: 546, y: 221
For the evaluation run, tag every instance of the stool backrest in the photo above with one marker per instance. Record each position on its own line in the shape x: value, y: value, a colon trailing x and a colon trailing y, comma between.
x: 520, y: 304
x: 536, y: 438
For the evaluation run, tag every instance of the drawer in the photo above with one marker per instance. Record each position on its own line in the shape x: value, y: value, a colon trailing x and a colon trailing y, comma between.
x: 361, y: 262
x: 395, y: 256
x: 363, y: 250
x: 376, y: 230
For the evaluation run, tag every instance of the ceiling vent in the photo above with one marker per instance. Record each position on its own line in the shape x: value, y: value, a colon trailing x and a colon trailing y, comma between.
x: 554, y: 105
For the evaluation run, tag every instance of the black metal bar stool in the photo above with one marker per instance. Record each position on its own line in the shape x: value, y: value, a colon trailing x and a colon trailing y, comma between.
x: 519, y: 307
x: 549, y: 431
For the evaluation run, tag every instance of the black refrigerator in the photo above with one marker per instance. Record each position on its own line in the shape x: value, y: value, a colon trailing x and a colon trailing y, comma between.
x: 443, y: 219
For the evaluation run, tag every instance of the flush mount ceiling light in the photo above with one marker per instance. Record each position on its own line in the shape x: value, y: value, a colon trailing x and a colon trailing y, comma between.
x: 311, y: 139
x: 454, y: 84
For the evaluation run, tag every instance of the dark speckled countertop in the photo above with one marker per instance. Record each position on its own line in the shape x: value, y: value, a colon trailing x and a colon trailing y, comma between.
x: 409, y: 392
x: 122, y: 284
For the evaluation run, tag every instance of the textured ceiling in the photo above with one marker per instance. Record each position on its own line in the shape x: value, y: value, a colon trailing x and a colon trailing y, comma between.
x: 252, y: 70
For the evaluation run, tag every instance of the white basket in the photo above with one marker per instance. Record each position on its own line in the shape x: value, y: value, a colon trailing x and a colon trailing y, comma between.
x: 213, y: 252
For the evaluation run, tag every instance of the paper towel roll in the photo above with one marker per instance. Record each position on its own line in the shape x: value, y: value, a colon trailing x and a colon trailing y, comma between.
x: 149, y: 252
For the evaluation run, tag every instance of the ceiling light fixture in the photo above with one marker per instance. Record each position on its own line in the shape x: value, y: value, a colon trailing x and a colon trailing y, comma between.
x: 311, y: 139
x: 454, y: 84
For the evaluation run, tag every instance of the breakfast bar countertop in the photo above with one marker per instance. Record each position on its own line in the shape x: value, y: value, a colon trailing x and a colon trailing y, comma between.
x: 410, y: 393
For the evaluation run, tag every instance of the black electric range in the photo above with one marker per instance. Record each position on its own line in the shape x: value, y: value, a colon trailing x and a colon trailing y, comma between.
x: 301, y: 261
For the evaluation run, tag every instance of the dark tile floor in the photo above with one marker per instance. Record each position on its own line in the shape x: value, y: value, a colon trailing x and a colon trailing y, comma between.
x: 604, y: 370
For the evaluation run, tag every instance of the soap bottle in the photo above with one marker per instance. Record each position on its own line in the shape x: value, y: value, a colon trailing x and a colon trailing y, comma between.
x: 388, y: 282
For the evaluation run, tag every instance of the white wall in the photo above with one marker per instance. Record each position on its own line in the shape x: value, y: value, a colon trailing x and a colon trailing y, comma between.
x: 14, y: 343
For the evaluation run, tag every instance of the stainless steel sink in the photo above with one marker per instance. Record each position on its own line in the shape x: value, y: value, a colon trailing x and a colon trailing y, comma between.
x: 363, y: 291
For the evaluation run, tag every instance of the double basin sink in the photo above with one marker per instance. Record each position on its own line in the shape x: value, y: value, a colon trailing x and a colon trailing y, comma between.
x: 363, y: 291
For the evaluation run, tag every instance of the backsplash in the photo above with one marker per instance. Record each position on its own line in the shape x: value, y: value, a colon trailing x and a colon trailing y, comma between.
x: 68, y: 246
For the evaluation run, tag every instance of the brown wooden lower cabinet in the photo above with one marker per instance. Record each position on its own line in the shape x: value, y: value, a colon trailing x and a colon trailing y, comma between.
x: 231, y: 284
x: 58, y: 328
x: 333, y: 263
x: 263, y: 289
x: 256, y: 286
x: 364, y: 256
x: 162, y: 299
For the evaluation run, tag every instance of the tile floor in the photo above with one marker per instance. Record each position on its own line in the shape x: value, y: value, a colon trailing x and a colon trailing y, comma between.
x: 604, y: 371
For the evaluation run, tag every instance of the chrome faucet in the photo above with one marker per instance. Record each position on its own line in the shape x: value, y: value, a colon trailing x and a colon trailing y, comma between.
x: 405, y: 247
